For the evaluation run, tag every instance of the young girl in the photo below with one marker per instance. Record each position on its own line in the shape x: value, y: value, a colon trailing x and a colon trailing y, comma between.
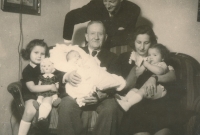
x: 154, y: 64
x: 46, y: 99
x: 35, y: 51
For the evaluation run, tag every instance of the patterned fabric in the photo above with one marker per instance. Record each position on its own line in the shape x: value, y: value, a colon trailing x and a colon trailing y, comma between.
x: 47, y: 81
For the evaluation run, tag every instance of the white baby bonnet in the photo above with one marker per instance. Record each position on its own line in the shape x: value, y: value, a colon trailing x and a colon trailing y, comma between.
x: 59, y: 52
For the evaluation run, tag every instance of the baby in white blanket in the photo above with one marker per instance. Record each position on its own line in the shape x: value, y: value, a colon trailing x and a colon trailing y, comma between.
x: 92, y: 75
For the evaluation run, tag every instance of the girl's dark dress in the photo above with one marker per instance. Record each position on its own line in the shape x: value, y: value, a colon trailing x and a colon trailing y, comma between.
x: 30, y: 74
x: 149, y: 115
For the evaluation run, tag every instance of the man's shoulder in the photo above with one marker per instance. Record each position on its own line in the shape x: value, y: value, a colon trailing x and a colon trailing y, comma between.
x: 28, y: 69
x: 108, y: 53
x: 85, y: 48
x: 130, y: 6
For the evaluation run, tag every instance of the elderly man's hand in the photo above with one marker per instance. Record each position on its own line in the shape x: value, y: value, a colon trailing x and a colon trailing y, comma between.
x: 90, y: 100
x: 73, y: 78
x: 95, y: 98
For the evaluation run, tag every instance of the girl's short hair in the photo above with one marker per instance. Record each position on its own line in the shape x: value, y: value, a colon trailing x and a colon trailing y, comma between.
x: 25, y: 53
x: 164, y: 51
x: 143, y: 29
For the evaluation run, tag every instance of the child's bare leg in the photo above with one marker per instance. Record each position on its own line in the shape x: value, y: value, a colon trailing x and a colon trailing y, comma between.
x: 27, y: 117
x: 55, y: 100
x: 45, y: 108
x: 132, y: 97
x: 37, y: 103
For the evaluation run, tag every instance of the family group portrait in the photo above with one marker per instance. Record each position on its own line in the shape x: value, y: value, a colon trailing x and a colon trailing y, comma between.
x: 100, y: 67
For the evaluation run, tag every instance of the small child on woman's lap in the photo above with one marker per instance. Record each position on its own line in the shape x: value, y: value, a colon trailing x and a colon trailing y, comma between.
x: 155, y: 64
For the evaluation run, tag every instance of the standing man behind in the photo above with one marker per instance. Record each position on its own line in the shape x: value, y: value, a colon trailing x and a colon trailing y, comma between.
x: 119, y: 18
x: 109, y: 114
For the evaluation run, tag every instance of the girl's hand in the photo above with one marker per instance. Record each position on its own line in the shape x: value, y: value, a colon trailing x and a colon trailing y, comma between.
x: 53, y: 87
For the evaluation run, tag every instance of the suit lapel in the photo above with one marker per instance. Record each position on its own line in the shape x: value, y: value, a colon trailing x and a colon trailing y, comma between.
x: 86, y: 49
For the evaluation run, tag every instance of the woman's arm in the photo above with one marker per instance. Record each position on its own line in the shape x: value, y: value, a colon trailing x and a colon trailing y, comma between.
x: 168, y: 77
x: 150, y: 84
x: 158, y: 70
x: 40, y: 88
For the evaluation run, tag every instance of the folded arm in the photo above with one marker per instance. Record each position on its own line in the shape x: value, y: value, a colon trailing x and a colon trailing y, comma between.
x: 158, y: 70
x: 40, y: 88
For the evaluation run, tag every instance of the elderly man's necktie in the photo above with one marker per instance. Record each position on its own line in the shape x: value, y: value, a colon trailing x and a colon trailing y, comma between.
x: 94, y: 53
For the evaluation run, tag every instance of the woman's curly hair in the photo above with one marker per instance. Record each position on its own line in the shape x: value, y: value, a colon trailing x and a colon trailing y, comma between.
x: 143, y: 29
x: 25, y: 53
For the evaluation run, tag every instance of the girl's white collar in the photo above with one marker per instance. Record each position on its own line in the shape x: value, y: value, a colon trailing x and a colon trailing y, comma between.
x: 48, y: 75
x: 32, y: 65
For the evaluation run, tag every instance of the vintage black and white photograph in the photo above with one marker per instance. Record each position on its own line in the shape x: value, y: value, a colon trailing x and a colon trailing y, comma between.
x: 100, y: 67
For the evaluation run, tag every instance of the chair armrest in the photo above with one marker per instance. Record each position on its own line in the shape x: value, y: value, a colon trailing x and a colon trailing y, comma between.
x: 15, y: 90
x: 197, y: 100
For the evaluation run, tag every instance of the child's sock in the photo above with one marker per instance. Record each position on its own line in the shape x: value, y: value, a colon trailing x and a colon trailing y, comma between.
x: 24, y: 127
x: 44, y: 110
x: 126, y: 104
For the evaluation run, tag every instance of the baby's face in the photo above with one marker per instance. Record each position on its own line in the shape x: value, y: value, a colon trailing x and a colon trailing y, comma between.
x: 73, y: 56
x: 154, y: 56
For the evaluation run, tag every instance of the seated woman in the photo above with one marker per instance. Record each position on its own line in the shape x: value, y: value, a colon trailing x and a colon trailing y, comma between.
x: 148, y: 117
x: 153, y: 65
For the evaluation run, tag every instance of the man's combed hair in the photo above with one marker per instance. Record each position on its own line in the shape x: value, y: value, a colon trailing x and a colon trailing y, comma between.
x: 25, y: 53
x: 95, y: 22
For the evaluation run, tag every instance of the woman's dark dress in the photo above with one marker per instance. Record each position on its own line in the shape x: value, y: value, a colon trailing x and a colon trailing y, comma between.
x: 149, y: 115
x: 29, y: 74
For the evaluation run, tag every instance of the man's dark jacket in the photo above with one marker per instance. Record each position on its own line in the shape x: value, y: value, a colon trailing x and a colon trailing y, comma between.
x: 119, y: 27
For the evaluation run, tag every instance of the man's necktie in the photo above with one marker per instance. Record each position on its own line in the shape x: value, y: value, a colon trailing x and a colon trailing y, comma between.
x: 94, y: 53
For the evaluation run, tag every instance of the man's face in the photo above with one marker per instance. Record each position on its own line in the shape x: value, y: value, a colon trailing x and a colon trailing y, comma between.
x: 95, y: 36
x: 112, y: 5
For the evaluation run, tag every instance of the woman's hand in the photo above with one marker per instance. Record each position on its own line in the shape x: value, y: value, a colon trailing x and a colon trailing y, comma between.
x: 73, y: 78
x: 150, y: 87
